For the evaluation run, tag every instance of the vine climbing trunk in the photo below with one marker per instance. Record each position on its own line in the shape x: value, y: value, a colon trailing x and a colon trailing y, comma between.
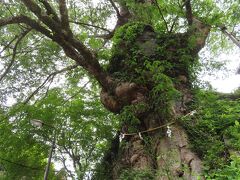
x: 158, y: 148
x: 151, y: 77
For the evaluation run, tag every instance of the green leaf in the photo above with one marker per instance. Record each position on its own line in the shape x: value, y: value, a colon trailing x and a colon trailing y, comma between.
x: 237, y: 123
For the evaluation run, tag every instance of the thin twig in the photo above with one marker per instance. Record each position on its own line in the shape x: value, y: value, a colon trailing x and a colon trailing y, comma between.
x: 22, y: 165
x: 64, y: 164
x: 50, y: 76
x: 115, y: 8
x: 177, y: 17
x: 74, y: 95
x: 173, y: 24
x: 14, y: 54
x: 8, y: 44
x: 161, y: 13
x: 47, y: 89
x: 91, y: 25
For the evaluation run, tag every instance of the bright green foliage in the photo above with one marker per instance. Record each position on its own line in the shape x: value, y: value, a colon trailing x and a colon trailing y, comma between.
x: 128, y: 33
x: 128, y: 118
x: 82, y: 125
x: 230, y: 171
x: 136, y: 174
x: 126, y: 54
x: 163, y: 93
x: 214, y: 132
x: 20, y: 153
x: 79, y: 125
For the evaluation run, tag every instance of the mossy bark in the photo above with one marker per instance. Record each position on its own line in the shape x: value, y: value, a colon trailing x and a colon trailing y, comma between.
x: 152, y: 71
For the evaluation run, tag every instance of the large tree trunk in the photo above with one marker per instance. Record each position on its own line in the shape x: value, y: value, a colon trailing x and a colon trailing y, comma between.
x: 161, y: 150
x: 163, y: 158
x: 157, y: 154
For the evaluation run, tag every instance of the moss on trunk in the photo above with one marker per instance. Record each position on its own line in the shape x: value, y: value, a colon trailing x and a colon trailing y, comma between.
x: 152, y: 77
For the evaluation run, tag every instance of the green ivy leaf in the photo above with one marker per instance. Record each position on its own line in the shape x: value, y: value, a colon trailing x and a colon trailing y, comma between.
x: 236, y: 123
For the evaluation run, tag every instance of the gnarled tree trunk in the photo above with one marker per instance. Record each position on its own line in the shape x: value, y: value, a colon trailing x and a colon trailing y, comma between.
x: 158, y: 147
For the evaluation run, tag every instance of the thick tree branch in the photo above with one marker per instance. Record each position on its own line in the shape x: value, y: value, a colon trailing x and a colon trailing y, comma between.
x: 50, y: 76
x: 64, y: 15
x: 123, y: 15
x: 72, y: 47
x: 50, y: 10
x: 197, y: 31
x: 189, y: 14
x: 14, y: 54
x: 234, y: 39
x: 28, y: 21
x: 85, y: 58
x: 47, y: 20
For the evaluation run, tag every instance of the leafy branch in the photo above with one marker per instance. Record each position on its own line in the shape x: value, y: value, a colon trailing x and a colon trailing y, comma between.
x: 231, y: 36
x: 14, y: 54
x: 8, y: 44
x: 72, y: 47
x: 28, y: 21
x: 49, y: 78
x: 161, y: 14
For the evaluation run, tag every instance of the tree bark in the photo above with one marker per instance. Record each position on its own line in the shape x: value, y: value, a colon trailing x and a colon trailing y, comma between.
x: 162, y: 156
x: 165, y: 156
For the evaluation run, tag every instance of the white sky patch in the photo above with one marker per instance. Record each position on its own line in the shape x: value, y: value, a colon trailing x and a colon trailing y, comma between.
x: 223, y: 81
x: 226, y: 85
x: 111, y: 22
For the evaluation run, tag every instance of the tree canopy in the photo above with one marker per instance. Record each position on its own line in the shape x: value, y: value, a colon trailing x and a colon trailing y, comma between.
x: 56, y: 56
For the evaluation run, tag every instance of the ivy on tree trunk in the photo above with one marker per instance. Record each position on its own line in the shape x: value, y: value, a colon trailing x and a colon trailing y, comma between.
x: 152, y: 74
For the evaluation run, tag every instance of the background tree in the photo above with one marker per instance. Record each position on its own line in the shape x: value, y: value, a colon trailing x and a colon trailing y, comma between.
x: 147, y: 77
